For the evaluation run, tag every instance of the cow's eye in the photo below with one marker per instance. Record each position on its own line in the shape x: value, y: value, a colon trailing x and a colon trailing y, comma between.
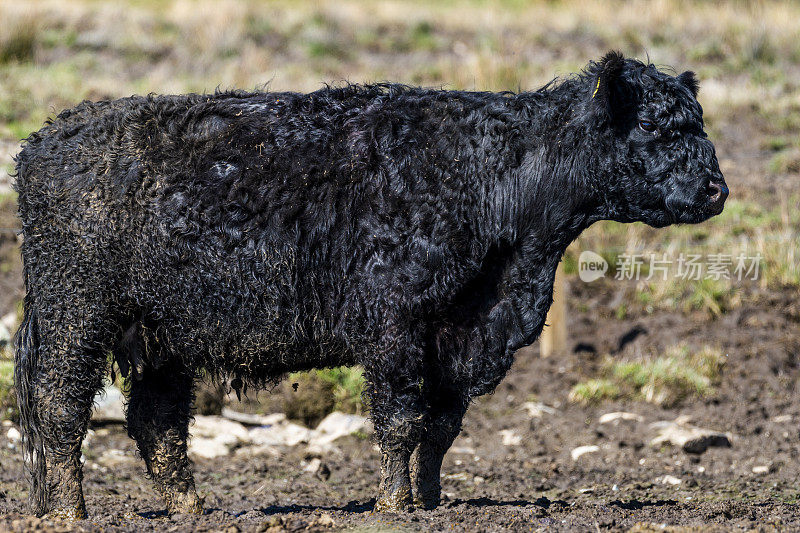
x: 646, y: 125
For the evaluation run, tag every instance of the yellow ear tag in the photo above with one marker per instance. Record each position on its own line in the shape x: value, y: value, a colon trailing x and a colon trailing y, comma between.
x: 596, y: 88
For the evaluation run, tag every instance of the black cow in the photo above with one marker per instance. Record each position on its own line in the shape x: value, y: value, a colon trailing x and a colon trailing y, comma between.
x: 413, y: 231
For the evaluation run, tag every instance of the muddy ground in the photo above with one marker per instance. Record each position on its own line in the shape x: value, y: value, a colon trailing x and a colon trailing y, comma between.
x: 534, y: 484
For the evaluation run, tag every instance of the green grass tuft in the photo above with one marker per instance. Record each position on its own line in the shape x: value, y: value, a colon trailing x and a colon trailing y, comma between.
x: 8, y: 397
x: 345, y: 383
x: 664, y: 380
x: 594, y: 391
x: 348, y: 385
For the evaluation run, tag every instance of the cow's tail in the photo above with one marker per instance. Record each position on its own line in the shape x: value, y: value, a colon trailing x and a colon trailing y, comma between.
x: 26, y: 367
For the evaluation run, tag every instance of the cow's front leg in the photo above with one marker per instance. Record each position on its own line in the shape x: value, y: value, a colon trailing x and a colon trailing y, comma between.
x: 394, y: 491
x: 447, y: 408
x: 395, y: 393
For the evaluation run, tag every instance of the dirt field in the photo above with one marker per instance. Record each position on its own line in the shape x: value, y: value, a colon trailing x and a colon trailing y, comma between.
x: 512, y: 469
x: 534, y: 485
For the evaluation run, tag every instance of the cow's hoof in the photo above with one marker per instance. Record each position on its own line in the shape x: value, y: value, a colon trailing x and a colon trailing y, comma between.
x: 395, y: 502
x: 187, y: 503
x: 426, y: 503
x: 77, y: 512
x: 427, y: 495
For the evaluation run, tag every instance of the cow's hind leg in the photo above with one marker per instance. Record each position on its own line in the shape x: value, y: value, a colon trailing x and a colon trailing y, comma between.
x: 447, y: 408
x: 159, y: 411
x: 60, y: 366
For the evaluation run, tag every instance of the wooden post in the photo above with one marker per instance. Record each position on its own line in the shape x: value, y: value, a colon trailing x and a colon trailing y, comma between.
x: 554, y: 336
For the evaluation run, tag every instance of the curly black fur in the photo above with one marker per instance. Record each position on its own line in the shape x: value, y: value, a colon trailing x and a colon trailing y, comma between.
x: 413, y: 231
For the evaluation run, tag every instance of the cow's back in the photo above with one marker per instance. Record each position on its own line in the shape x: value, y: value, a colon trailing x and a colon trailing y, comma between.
x: 258, y: 228
x: 197, y: 219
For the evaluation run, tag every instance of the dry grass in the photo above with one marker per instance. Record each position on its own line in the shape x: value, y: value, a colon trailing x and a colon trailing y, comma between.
x: 55, y: 53
x: 745, y: 228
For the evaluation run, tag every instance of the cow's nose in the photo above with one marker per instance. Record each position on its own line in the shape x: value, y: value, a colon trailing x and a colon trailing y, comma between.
x: 717, y: 192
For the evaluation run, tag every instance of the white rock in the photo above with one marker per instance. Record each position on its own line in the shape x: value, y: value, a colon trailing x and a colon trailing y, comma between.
x: 312, y: 465
x: 253, y: 419
x: 208, y: 448
x: 682, y: 420
x: 215, y: 436
x: 537, y: 409
x: 761, y: 469
x: 337, y: 425
x: 213, y: 426
x: 274, y: 418
x: 255, y: 451
x: 109, y: 405
x: 582, y: 450
x: 322, y: 449
x: 670, y: 480
x: 461, y: 476
x: 5, y: 335
x: 620, y: 415
x: 510, y: 437
x: 465, y: 450
x: 87, y: 440
x: 286, y: 434
x: 13, y: 434
x: 112, y: 458
x: 691, y: 439
x: 781, y: 419
x: 9, y: 321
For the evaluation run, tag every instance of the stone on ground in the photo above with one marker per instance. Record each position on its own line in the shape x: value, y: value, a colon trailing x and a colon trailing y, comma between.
x: 337, y: 425
x: 580, y: 451
x: 215, y: 436
x: 620, y: 416
x: 109, y: 406
x: 690, y: 438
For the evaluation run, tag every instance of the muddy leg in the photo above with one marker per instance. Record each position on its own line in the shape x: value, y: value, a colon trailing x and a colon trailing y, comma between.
x: 441, y: 428
x: 397, y: 412
x: 396, y: 441
x: 57, y: 386
x: 158, y: 416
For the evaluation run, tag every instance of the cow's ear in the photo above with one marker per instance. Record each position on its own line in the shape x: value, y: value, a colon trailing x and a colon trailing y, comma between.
x: 689, y: 80
x: 607, y: 84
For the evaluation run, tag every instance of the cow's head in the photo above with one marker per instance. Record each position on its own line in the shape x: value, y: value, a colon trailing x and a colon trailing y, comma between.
x: 660, y: 166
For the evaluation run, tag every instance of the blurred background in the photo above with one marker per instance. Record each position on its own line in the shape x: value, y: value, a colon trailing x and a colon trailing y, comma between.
x: 718, y: 347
